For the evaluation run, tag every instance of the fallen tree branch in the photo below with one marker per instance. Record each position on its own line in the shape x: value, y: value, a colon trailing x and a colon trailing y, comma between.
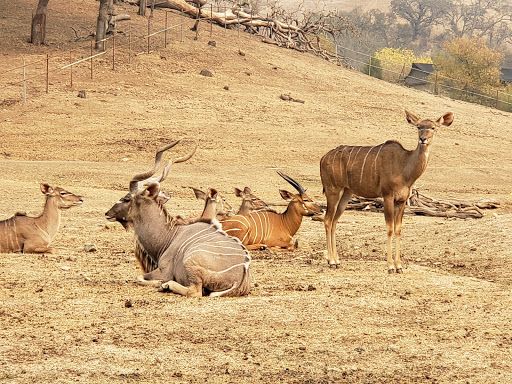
x: 420, y: 204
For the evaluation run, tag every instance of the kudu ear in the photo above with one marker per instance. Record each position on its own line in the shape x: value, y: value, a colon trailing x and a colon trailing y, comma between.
x: 238, y: 192
x: 213, y: 193
x: 153, y: 190
x: 200, y: 195
x: 285, y: 194
x: 247, y: 191
x: 446, y: 119
x: 46, y: 189
x: 411, y: 118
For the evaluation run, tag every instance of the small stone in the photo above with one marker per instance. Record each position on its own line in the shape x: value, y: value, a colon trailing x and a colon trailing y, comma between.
x: 82, y: 94
x: 212, y: 43
x: 205, y: 72
x: 90, y: 247
x: 128, y: 303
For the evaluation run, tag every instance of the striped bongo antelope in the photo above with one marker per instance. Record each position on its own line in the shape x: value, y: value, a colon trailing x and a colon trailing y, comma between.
x: 191, y: 260
x: 386, y: 170
x: 269, y: 229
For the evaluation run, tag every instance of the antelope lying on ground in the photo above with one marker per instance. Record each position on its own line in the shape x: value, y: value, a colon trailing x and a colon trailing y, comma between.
x: 269, y: 229
x: 191, y: 260
x: 119, y: 210
x: 21, y: 233
x: 386, y: 170
x: 215, y: 206
x: 250, y: 202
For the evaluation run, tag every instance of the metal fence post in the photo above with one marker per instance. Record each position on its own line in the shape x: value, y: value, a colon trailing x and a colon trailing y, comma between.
x: 182, y: 25
x: 114, y: 51
x: 24, y: 83
x: 149, y: 31
x: 165, y: 30
x: 47, y: 72
x: 71, y: 69
x: 91, y: 58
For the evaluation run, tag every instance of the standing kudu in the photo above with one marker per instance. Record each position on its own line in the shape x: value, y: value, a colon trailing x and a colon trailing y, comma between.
x: 21, y: 233
x: 269, y: 229
x: 386, y: 170
x: 191, y: 260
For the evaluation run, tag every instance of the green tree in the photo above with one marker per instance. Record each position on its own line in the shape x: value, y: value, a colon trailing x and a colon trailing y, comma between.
x: 373, y: 68
x: 397, y: 61
x: 470, y: 62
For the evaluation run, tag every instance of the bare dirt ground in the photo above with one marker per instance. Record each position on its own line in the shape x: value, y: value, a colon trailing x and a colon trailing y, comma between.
x: 63, y: 317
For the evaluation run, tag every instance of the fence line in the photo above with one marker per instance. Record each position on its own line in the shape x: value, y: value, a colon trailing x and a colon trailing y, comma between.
x: 133, y: 40
x: 495, y: 99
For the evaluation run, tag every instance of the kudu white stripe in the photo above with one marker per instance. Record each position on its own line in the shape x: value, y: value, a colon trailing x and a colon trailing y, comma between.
x: 392, y: 175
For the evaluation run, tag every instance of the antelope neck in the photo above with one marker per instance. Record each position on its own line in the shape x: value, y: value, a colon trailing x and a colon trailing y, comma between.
x: 49, y: 220
x: 152, y: 230
x: 416, y: 163
x: 291, y: 218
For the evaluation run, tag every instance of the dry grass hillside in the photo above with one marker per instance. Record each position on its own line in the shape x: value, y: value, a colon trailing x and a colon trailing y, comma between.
x: 64, y: 317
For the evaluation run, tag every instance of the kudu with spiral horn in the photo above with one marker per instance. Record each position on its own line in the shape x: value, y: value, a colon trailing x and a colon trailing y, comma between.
x: 266, y: 229
x: 191, y: 260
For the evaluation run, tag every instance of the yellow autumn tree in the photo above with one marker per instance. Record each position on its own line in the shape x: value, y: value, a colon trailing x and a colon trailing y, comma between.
x: 469, y: 64
x: 397, y: 62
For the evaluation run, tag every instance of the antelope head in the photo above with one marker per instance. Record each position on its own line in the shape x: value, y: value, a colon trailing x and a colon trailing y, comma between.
x: 213, y: 199
x: 61, y: 198
x: 250, y: 202
x: 427, y: 128
x: 305, y: 205
x: 121, y: 209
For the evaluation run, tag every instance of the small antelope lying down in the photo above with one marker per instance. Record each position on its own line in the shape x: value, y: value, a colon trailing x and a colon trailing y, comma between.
x: 216, y: 206
x: 191, y: 260
x: 250, y: 202
x: 269, y: 229
x: 22, y: 233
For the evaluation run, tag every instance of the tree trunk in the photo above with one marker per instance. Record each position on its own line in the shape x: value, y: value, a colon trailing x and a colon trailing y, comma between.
x: 38, y: 28
x: 142, y: 7
x: 102, y: 24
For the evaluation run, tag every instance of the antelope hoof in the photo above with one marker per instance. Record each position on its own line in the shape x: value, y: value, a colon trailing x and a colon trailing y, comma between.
x: 391, y: 271
x: 399, y: 270
x: 164, y: 288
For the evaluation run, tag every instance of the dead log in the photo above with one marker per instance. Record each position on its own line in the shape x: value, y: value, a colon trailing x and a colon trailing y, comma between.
x: 419, y: 204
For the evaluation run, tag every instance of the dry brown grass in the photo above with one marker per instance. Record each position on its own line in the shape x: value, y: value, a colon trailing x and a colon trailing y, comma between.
x: 447, y: 319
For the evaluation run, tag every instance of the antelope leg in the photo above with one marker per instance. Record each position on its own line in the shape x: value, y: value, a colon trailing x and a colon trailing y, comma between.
x: 194, y: 290
x: 389, y: 207
x: 252, y: 247
x: 399, y: 214
x: 152, y: 283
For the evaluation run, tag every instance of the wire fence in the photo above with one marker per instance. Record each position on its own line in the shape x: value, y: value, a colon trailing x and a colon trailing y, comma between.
x: 80, y: 64
x: 427, y: 81
x: 84, y: 62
